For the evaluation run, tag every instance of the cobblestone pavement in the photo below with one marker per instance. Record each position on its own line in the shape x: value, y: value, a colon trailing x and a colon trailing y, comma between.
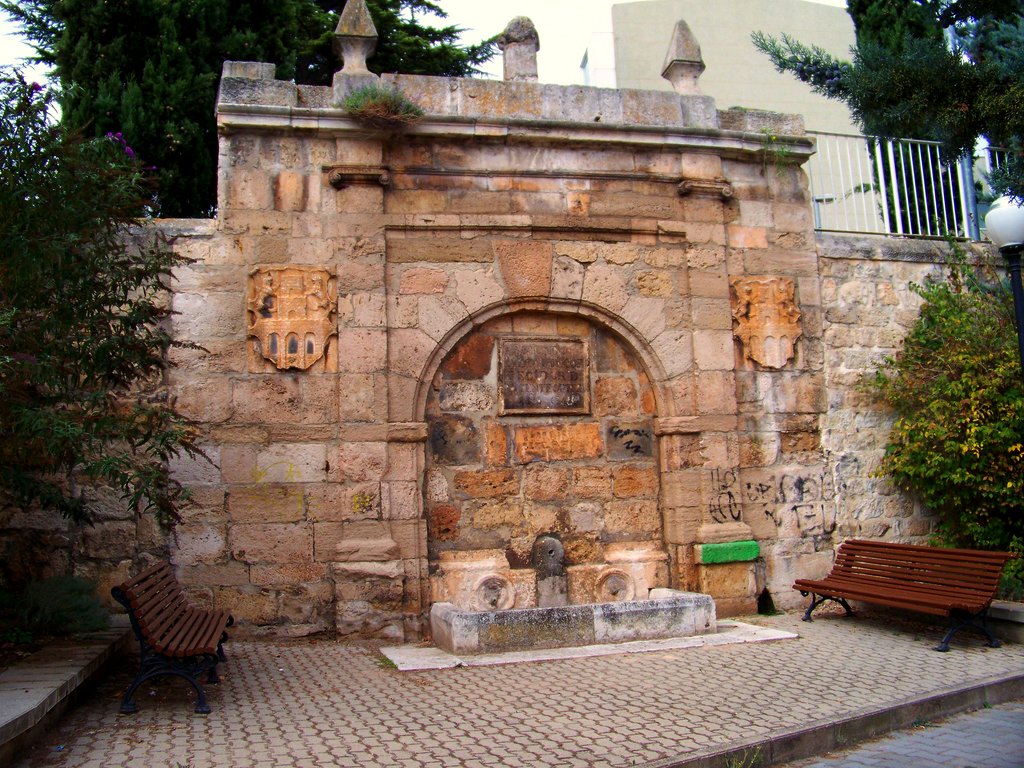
x: 987, y: 738
x: 321, y: 703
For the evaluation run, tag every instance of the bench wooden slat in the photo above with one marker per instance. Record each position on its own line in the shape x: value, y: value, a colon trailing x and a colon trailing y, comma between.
x: 174, y: 636
x: 932, y: 580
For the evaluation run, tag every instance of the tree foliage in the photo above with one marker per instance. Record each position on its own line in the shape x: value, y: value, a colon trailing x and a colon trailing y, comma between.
x: 908, y: 78
x: 82, y: 307
x: 958, y: 440
x: 150, y: 68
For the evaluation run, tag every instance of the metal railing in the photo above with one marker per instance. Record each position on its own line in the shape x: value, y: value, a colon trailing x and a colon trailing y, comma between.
x: 893, y: 187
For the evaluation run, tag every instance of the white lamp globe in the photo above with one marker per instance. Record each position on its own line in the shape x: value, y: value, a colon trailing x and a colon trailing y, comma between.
x: 1004, y: 222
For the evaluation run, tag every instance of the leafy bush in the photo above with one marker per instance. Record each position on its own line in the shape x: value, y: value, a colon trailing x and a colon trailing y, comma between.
x: 82, y: 313
x: 381, y: 106
x: 956, y: 387
x: 63, y: 605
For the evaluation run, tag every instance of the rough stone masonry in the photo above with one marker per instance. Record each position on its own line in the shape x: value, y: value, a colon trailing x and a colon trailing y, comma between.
x: 591, y: 320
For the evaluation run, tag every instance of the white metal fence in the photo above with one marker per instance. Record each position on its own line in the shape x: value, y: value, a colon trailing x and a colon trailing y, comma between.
x: 864, y: 184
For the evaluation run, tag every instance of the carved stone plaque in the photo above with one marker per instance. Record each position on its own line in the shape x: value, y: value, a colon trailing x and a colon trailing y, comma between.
x: 543, y: 375
x: 291, y: 314
x: 766, y: 319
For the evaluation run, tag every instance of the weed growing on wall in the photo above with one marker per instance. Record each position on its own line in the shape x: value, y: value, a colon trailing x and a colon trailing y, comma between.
x: 958, y: 439
x: 382, y: 107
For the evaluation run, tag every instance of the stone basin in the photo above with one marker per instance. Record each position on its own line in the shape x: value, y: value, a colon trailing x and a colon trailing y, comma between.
x: 668, y: 613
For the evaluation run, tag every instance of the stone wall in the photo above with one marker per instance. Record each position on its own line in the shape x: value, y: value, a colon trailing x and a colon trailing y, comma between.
x: 599, y: 316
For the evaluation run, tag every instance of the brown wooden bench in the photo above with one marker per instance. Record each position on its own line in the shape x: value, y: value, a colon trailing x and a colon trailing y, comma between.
x: 175, y: 638
x: 957, y: 583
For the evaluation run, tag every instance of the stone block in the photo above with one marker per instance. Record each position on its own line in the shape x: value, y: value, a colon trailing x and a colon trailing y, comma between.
x: 360, y: 397
x: 477, y: 288
x: 454, y: 440
x: 359, y: 462
x: 557, y: 442
x: 199, y: 543
x: 438, y: 250
x: 366, y: 550
x: 615, y: 395
x: 292, y: 463
x: 401, y: 500
x: 487, y: 484
x: 635, y: 482
x: 288, y: 574
x: 542, y: 483
x: 248, y: 604
x: 258, y: 543
x: 605, y: 287
x: 713, y: 350
x: 109, y: 540
x: 639, y: 519
x: 420, y: 280
x: 267, y: 399
x: 263, y: 503
x: 362, y: 350
x: 210, y: 575
x: 525, y: 266
x: 197, y: 470
x: 290, y: 191
x: 409, y: 350
x: 202, y: 316
x: 592, y: 483
x: 249, y: 188
x: 728, y: 580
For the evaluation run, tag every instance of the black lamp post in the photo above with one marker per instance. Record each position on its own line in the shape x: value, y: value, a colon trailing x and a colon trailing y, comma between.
x: 1005, y: 225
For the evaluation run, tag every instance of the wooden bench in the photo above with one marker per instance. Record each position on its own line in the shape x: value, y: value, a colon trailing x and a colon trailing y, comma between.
x: 956, y: 583
x: 175, y: 638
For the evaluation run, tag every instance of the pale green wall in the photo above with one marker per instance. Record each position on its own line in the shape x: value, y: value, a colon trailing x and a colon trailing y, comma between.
x: 737, y: 74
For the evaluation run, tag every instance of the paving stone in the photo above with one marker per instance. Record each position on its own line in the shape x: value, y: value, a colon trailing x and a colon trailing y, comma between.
x: 321, y: 703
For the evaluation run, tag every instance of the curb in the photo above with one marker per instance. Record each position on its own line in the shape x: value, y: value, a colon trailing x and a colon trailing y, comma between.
x: 35, y: 692
x: 829, y: 735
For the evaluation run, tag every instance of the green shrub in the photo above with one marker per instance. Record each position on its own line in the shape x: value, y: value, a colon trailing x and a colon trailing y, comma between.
x: 958, y: 439
x: 381, y: 106
x: 63, y: 605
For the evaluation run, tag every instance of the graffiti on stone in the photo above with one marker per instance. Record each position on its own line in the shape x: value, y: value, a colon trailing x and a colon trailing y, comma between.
x: 628, y: 441
x: 724, y: 489
x: 803, y: 502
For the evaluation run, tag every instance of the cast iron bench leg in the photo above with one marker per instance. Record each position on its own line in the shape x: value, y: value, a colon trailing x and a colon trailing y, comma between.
x: 968, y: 623
x: 817, y: 600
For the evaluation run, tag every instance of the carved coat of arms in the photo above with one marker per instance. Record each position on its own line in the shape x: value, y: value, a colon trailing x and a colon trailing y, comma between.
x: 291, y: 314
x: 766, y: 318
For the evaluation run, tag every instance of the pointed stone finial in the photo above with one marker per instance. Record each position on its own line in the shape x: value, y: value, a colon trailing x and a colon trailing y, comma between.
x: 355, y: 37
x: 683, y: 63
x: 519, y: 44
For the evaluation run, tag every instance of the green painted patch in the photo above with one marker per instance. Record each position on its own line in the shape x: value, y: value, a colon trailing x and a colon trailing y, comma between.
x: 729, y: 552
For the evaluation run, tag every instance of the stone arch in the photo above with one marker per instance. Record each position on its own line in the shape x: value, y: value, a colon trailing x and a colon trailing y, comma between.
x: 637, y: 343
x: 500, y: 480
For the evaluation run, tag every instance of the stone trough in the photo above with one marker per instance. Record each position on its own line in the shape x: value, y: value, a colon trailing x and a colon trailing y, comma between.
x: 668, y: 613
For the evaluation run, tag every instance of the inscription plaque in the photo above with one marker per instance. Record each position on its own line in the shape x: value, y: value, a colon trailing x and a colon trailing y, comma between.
x: 544, y: 376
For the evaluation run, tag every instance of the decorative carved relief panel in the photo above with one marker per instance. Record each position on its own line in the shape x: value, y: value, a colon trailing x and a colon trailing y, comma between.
x: 766, y: 319
x: 291, y: 316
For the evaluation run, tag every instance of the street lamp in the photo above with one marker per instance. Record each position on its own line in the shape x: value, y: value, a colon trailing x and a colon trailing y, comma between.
x: 1005, y: 225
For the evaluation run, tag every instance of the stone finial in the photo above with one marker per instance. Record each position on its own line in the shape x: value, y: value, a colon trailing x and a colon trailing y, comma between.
x: 355, y: 37
x: 683, y: 62
x: 519, y: 44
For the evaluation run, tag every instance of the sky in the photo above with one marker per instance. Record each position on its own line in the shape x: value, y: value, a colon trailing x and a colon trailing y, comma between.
x: 564, y: 28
